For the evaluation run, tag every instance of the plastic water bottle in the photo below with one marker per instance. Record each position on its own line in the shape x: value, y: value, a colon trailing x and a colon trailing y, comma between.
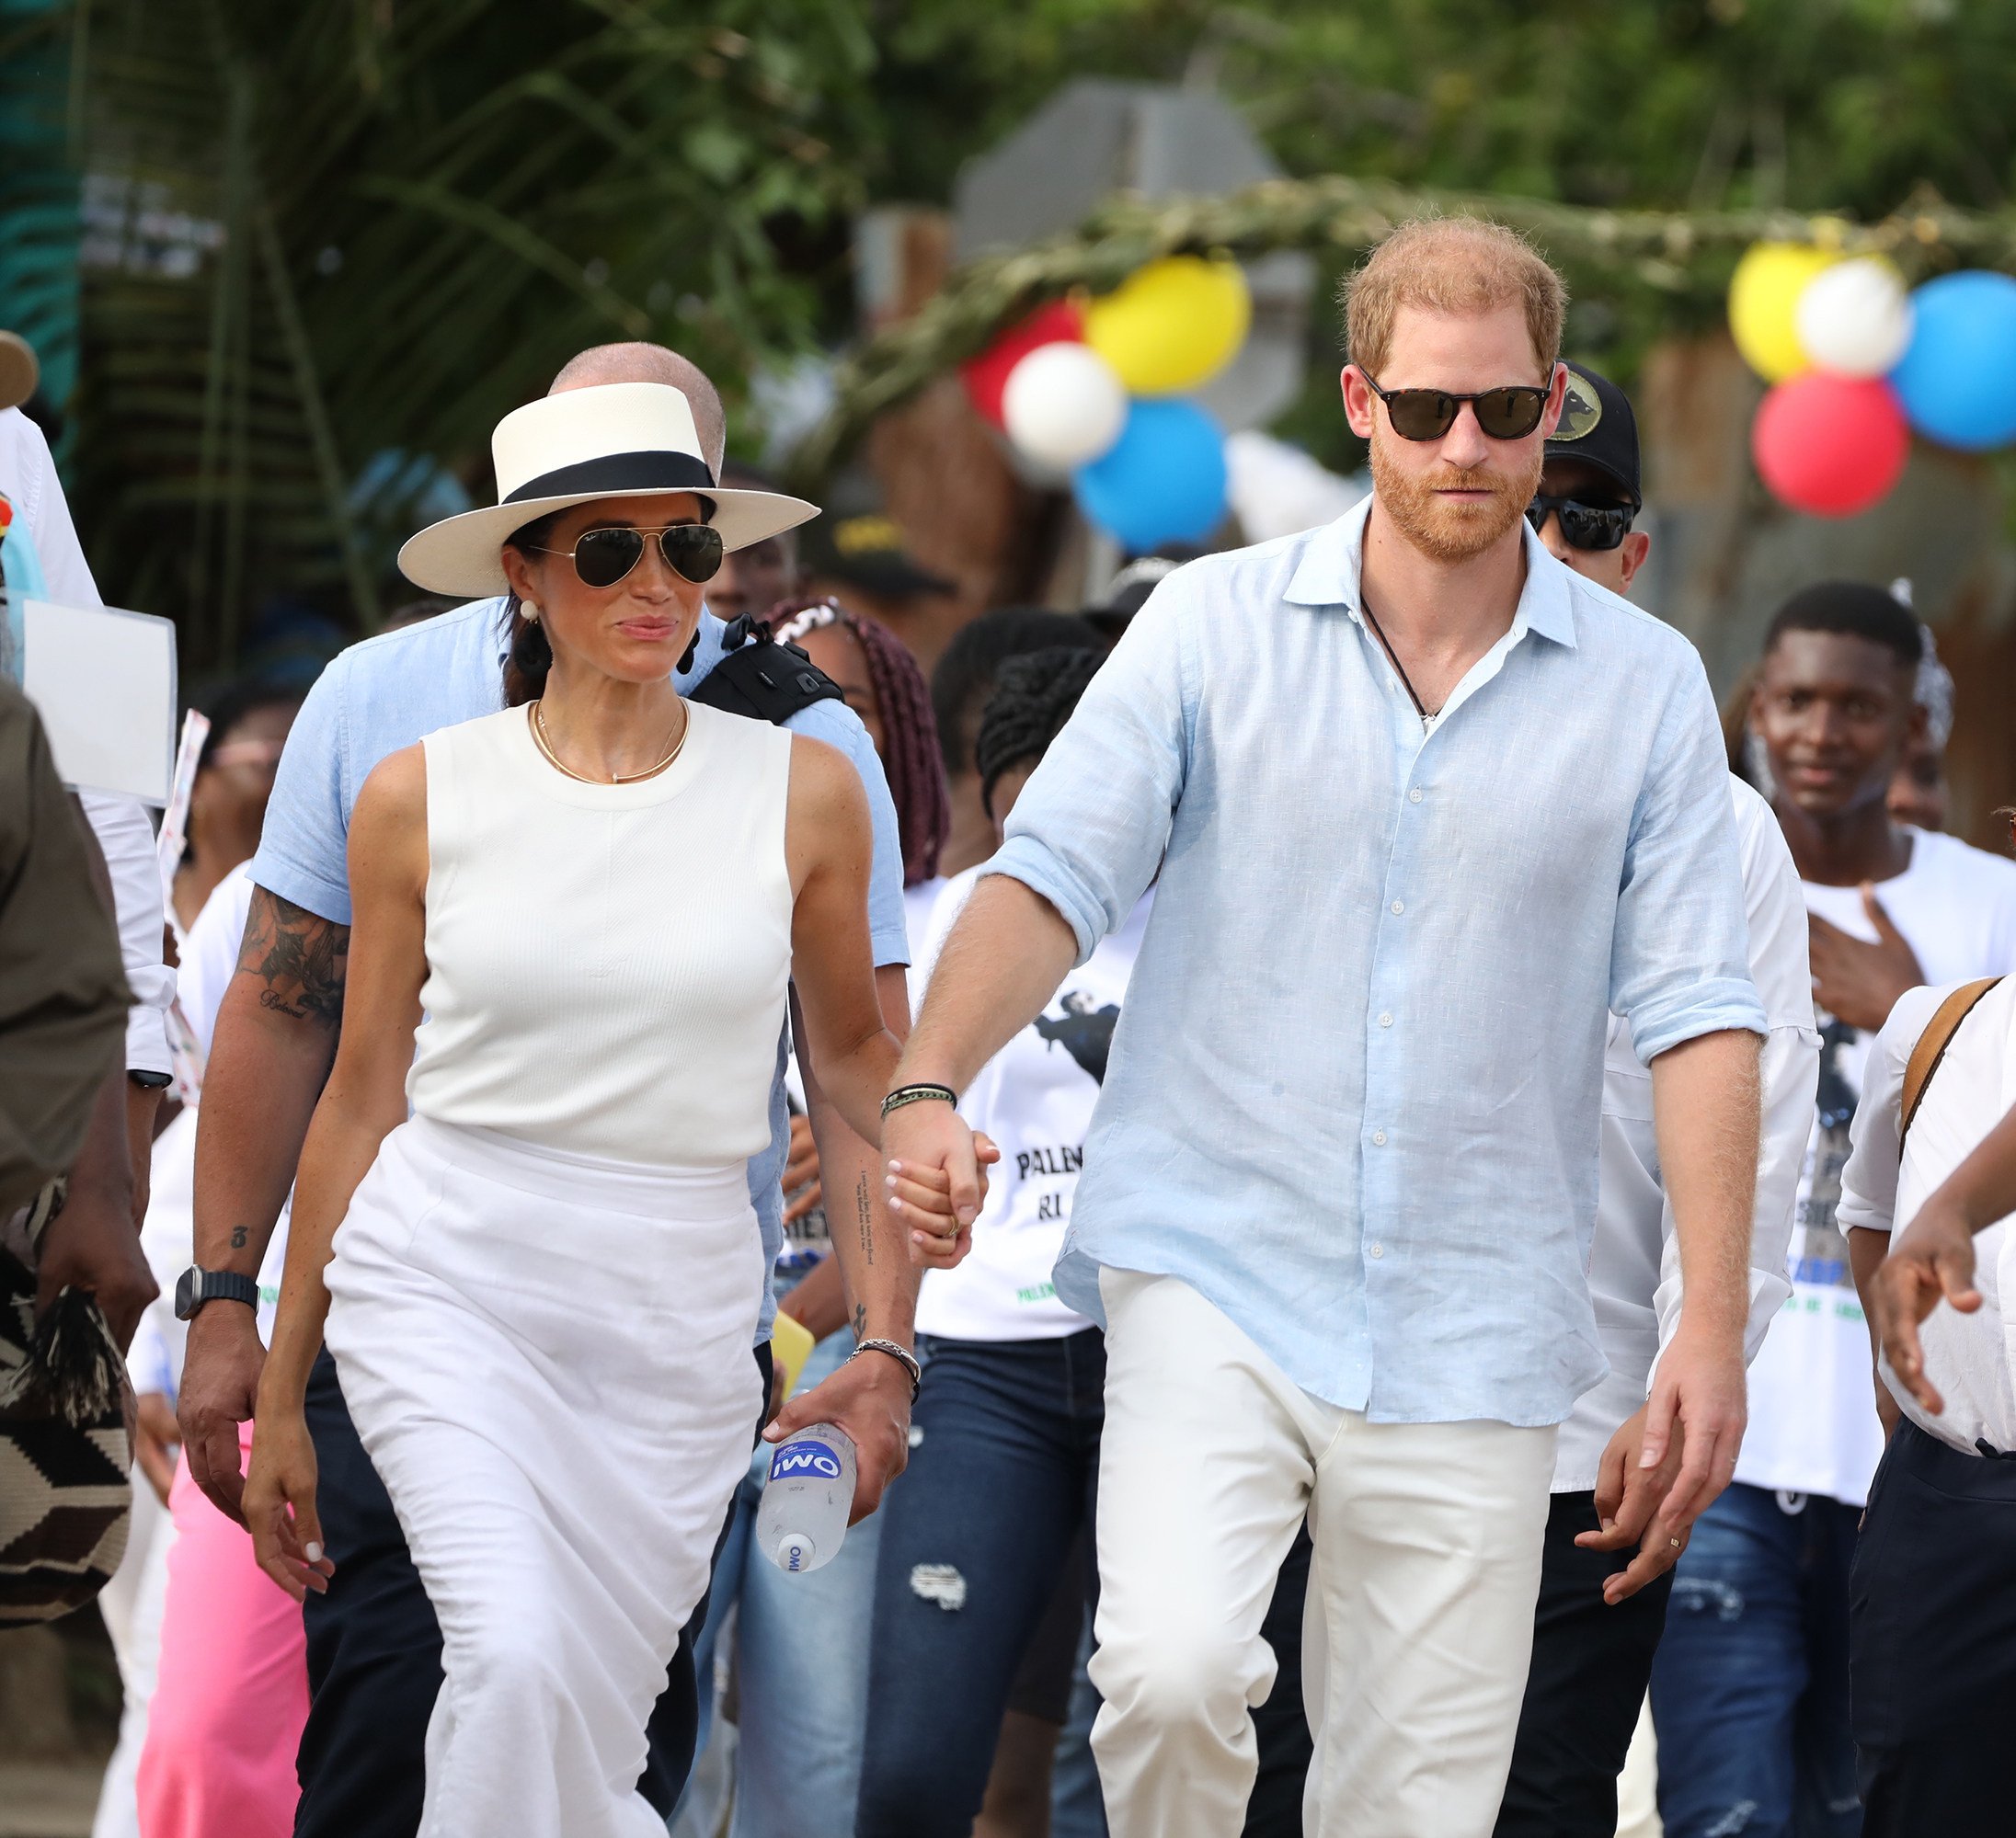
x: 802, y: 1516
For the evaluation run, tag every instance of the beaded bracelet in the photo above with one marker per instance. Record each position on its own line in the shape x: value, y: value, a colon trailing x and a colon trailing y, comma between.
x: 918, y: 1094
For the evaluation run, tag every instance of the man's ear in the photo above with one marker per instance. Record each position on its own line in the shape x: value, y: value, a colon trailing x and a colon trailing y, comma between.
x: 1557, y: 395
x: 1637, y: 546
x: 1358, y: 401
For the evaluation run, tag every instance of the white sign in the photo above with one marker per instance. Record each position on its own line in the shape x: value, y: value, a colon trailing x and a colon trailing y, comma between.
x: 104, y: 682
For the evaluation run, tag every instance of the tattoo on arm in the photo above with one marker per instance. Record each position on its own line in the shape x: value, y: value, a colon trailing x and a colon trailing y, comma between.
x: 298, y: 956
x: 861, y: 1320
x: 865, y: 1216
x: 239, y: 1234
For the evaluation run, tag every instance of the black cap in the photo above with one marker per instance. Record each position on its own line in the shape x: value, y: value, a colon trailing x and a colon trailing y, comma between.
x: 858, y: 543
x: 1599, y: 428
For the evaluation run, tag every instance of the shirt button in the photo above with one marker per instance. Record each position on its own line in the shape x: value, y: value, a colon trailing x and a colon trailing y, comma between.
x: 1379, y: 1139
x: 1379, y: 1250
x: 1414, y: 797
x: 1399, y: 907
x: 1385, y: 1021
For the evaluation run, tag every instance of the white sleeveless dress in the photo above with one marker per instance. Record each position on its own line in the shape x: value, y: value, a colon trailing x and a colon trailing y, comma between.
x: 544, y: 1293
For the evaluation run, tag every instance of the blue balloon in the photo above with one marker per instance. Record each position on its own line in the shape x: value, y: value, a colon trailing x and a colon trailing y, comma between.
x: 1957, y: 377
x: 1162, y: 481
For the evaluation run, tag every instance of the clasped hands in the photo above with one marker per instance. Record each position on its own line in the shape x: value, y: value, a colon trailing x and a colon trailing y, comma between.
x: 936, y: 1180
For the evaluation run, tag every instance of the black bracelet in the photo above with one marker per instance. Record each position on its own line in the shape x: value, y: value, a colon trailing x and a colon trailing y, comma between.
x: 902, y: 1355
x: 918, y: 1094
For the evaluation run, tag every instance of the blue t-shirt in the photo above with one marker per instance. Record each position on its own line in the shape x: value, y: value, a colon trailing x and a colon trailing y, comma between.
x: 393, y: 690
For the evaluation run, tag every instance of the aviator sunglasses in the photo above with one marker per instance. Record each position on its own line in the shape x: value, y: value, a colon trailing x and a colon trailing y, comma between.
x: 1510, y: 412
x: 602, y: 557
x: 1584, y: 526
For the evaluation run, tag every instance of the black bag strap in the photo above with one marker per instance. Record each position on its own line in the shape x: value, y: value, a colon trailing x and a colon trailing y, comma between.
x: 760, y: 678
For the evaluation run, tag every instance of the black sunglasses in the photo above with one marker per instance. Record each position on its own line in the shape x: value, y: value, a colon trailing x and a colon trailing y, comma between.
x: 1510, y: 412
x: 602, y: 557
x: 1583, y: 526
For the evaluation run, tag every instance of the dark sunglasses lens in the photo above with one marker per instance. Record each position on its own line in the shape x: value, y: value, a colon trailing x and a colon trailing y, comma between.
x: 1588, y: 526
x: 692, y: 550
x: 602, y: 557
x: 1510, y: 413
x: 1421, y: 414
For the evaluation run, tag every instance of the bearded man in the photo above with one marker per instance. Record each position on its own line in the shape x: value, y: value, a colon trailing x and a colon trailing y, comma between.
x: 1426, y: 806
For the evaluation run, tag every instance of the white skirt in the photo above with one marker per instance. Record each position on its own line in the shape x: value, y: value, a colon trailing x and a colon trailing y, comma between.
x: 548, y: 1359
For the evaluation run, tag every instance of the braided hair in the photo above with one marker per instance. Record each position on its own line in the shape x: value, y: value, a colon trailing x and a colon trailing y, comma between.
x: 1034, y: 696
x: 910, y: 758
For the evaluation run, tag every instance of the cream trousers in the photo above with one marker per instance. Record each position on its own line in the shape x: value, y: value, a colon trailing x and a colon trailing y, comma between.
x: 1420, y: 1619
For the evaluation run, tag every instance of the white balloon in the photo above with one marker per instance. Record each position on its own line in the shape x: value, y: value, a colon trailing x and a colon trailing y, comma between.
x: 1855, y: 318
x: 1063, y: 406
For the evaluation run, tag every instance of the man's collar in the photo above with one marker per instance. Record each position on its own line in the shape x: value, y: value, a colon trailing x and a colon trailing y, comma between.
x: 1329, y: 570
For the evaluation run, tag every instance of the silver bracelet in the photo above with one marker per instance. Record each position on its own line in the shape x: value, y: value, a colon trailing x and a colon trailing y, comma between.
x: 918, y: 1094
x: 900, y: 1355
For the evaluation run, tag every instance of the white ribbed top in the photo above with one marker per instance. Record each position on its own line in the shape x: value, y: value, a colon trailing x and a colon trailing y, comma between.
x: 606, y: 964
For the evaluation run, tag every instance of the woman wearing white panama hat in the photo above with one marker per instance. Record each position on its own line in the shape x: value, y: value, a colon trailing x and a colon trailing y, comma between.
x: 548, y: 1278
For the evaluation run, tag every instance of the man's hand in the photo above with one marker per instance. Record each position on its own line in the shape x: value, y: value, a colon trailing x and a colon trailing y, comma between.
x: 1632, y: 1506
x: 936, y: 1180
x: 220, y: 1386
x: 91, y: 1245
x: 1697, y: 1409
x: 801, y: 1171
x: 1857, y: 981
x: 869, y: 1399
x: 1933, y: 1257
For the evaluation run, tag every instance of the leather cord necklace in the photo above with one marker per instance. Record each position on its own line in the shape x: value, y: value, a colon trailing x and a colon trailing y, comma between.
x: 1399, y: 669
x: 544, y: 745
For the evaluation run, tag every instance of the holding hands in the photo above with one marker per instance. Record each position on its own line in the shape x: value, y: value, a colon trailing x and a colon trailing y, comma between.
x: 937, y: 1177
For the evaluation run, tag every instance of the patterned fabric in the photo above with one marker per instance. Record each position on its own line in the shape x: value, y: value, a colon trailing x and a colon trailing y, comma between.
x: 66, y: 1437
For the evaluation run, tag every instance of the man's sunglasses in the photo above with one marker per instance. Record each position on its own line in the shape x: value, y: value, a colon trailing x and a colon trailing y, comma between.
x: 1583, y: 526
x: 602, y: 557
x: 1510, y: 412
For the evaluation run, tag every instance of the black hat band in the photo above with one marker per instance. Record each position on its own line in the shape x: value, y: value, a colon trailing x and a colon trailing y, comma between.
x: 660, y: 470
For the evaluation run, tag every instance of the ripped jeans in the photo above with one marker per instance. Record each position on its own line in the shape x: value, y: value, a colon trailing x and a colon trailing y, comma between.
x: 1749, y: 1690
x: 1003, y: 1470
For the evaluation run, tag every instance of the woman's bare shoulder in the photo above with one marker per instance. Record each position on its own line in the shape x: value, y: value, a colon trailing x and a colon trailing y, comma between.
x: 394, y: 793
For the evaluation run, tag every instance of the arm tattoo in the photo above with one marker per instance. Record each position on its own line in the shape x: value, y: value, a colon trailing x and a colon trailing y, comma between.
x: 865, y: 1215
x: 861, y: 1320
x: 299, y: 956
x: 239, y: 1234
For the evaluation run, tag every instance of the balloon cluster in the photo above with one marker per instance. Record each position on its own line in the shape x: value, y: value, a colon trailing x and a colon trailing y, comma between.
x: 1095, y: 388
x: 1855, y: 363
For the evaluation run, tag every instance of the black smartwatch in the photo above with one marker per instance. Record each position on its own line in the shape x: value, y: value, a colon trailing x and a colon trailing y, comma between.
x: 149, y: 1081
x: 197, y: 1285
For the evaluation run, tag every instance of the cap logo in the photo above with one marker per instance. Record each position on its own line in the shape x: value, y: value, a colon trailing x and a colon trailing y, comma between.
x: 866, y: 536
x: 1581, y: 409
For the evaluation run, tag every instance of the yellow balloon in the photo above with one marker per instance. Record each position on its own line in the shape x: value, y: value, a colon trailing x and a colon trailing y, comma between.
x: 1173, y: 324
x: 1764, y: 301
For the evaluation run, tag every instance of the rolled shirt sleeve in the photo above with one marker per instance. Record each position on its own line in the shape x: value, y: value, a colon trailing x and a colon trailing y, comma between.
x: 1677, y: 956
x: 301, y: 854
x: 1090, y: 828
x: 125, y: 835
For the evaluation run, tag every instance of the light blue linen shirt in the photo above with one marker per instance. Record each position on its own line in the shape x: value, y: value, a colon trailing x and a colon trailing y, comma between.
x: 393, y: 690
x: 1355, y: 1094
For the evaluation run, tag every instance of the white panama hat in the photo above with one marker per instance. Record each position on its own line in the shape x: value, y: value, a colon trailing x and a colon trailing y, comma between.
x: 614, y: 440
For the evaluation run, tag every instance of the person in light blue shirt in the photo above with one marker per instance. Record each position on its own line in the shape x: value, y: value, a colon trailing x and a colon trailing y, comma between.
x: 1424, y: 806
x: 373, y: 1643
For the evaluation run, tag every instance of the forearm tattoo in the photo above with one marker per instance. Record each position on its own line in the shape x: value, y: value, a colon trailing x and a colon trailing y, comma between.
x: 865, y: 1215
x: 861, y: 1320
x: 299, y: 958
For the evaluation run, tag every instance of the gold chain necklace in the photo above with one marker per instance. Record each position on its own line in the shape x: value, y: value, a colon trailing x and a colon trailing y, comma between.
x: 544, y: 744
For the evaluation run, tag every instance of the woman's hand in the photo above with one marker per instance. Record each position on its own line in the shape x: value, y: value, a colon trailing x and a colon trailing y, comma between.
x: 936, y: 1180
x: 280, y: 1504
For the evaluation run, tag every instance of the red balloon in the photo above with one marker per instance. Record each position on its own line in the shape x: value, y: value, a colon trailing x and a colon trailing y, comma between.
x: 986, y: 376
x: 1830, y: 445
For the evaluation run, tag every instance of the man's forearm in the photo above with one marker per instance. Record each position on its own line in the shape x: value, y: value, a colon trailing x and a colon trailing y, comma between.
x: 267, y: 1069
x: 1007, y: 953
x: 1706, y: 1109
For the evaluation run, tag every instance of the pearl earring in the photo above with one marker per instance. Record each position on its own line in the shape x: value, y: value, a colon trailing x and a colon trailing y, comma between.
x: 531, y: 609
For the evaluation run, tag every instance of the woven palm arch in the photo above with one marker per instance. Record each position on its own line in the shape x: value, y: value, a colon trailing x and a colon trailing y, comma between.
x: 1682, y: 257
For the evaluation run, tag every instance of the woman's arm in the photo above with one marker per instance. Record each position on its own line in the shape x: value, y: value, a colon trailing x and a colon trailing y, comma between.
x: 363, y: 1102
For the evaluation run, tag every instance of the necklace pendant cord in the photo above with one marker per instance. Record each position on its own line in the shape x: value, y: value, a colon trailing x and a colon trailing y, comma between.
x: 1399, y: 669
x: 544, y: 743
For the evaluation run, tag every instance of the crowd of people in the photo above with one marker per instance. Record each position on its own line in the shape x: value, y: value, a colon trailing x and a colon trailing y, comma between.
x: 1329, y: 1144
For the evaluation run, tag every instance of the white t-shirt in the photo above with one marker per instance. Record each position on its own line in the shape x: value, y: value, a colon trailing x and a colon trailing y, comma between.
x: 1035, y: 1098
x: 1885, y: 1181
x: 1634, y: 1276
x: 1813, y: 1411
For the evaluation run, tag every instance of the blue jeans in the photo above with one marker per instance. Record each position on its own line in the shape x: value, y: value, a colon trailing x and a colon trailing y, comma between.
x: 1000, y: 1481
x: 801, y: 1648
x: 1749, y: 1690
